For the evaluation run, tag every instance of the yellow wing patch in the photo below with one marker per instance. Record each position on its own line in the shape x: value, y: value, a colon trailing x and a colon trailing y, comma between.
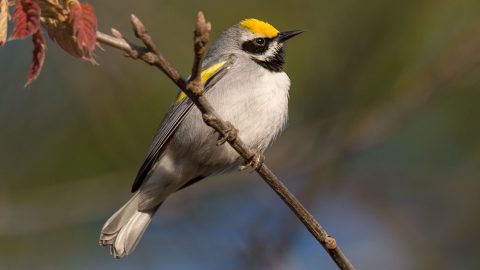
x: 260, y: 27
x: 204, y: 77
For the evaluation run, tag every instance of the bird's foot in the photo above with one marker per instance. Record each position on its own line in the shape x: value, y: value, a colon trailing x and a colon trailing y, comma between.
x: 231, y: 134
x: 254, y: 162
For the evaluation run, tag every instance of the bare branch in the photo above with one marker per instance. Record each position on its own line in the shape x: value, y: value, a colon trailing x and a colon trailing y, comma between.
x: 194, y: 90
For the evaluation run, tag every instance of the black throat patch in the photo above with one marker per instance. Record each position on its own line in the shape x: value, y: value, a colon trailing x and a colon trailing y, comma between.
x: 275, y: 63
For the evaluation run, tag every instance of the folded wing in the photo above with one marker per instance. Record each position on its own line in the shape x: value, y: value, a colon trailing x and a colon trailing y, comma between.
x: 210, y: 75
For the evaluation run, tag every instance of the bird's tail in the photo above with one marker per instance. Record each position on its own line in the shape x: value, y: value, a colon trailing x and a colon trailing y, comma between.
x: 124, y: 229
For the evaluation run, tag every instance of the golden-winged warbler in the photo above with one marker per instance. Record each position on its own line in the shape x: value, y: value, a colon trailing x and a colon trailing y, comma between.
x: 244, y: 81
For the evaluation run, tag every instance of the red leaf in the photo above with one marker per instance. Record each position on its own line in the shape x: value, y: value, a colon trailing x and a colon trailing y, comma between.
x: 84, y: 23
x: 39, y: 48
x: 26, y: 18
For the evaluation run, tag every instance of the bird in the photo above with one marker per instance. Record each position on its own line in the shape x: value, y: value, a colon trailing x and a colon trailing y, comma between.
x: 244, y: 80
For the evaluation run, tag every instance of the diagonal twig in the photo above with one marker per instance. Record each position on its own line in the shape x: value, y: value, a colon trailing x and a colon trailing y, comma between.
x: 194, y: 90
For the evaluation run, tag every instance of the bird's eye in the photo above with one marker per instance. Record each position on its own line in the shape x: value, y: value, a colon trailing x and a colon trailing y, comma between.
x: 260, y: 41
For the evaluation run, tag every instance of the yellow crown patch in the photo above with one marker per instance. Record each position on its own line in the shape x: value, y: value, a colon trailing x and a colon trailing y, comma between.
x: 260, y: 27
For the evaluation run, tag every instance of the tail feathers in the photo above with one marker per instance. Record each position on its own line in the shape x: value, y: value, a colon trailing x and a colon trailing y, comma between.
x: 121, y: 217
x: 125, y: 228
x: 128, y: 237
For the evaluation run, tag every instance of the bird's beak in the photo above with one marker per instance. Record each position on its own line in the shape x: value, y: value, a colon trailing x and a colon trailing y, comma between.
x: 284, y: 36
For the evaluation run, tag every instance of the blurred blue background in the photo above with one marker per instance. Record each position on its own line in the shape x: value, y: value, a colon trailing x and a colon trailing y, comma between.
x: 383, y: 143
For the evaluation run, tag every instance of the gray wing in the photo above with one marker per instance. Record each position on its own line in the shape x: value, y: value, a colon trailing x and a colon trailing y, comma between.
x: 169, y: 125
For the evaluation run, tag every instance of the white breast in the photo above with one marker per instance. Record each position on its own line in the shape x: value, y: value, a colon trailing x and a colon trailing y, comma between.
x: 253, y: 99
x: 257, y: 105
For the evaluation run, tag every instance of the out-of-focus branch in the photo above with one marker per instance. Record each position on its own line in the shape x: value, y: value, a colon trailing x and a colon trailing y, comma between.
x: 193, y: 88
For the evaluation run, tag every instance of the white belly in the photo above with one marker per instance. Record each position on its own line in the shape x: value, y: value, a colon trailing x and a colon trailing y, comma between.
x: 259, y: 108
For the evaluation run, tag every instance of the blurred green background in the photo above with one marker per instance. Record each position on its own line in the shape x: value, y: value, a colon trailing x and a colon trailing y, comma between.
x: 383, y: 143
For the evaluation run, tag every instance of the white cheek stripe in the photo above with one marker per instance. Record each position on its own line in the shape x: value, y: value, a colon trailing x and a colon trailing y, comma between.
x: 270, y: 53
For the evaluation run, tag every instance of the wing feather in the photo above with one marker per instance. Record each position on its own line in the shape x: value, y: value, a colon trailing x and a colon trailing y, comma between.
x: 174, y: 118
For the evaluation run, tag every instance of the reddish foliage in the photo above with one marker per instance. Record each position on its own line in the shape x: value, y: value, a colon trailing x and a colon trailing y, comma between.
x: 84, y: 23
x: 63, y: 34
x: 26, y: 18
x: 39, y: 48
x: 77, y: 35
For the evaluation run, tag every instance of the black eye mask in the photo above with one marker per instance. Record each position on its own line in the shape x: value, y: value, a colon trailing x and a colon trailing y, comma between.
x: 257, y: 45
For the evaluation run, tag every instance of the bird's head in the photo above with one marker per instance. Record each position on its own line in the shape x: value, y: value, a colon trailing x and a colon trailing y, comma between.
x: 258, y: 40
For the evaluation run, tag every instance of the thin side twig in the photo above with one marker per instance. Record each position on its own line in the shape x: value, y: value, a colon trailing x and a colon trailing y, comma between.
x: 194, y: 90
x: 201, y: 36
